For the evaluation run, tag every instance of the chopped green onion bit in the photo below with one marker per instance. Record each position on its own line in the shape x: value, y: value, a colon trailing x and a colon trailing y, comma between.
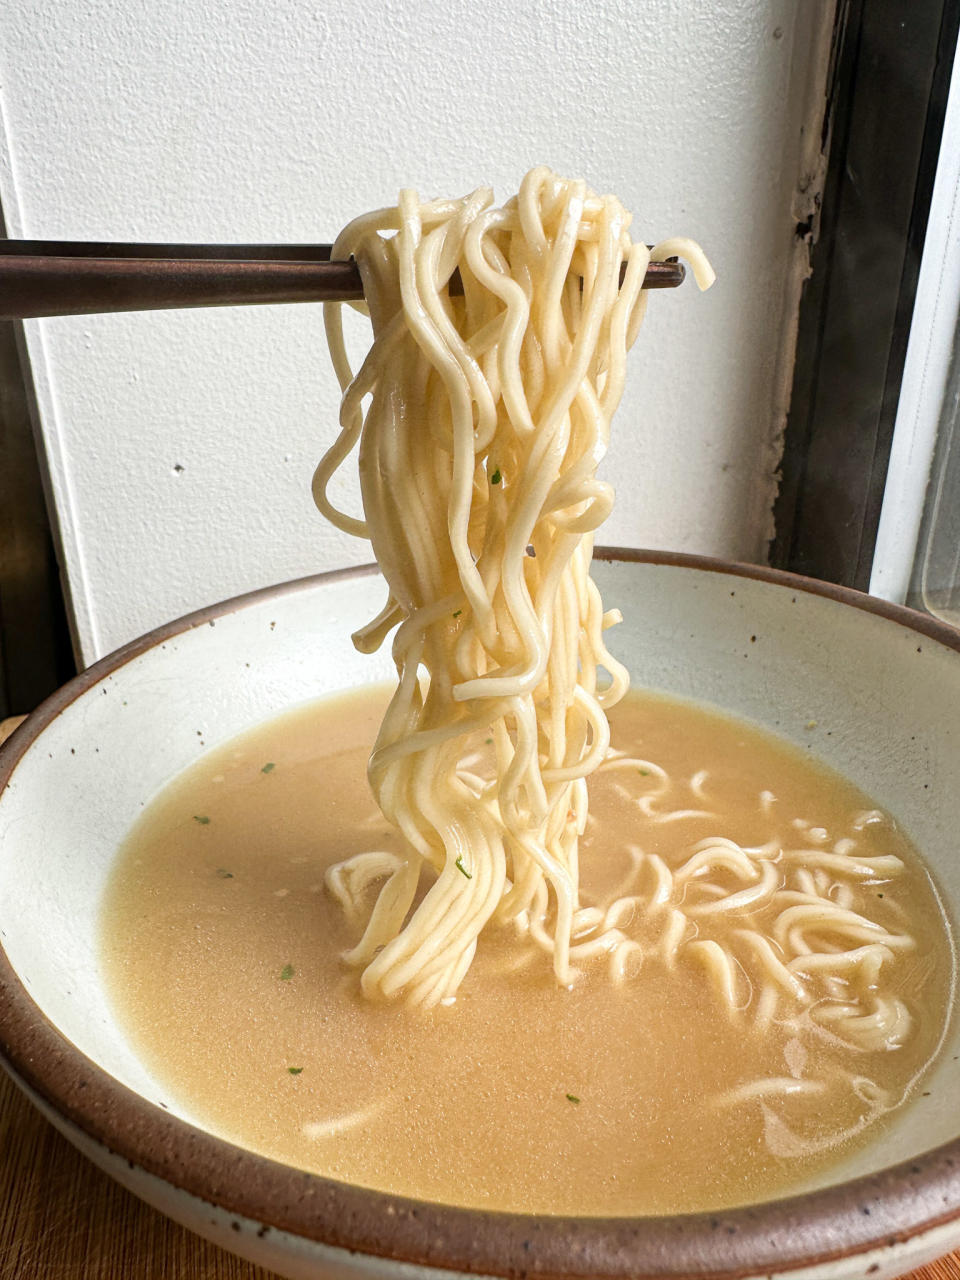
x: 462, y: 869
x: 268, y: 767
x: 496, y: 477
x: 572, y: 1097
x: 287, y: 972
x: 202, y: 819
x: 294, y: 1071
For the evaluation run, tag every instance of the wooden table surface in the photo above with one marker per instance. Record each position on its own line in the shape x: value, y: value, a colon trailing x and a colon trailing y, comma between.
x: 62, y: 1219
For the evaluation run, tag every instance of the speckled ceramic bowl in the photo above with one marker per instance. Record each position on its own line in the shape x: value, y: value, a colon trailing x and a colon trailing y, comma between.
x: 882, y: 687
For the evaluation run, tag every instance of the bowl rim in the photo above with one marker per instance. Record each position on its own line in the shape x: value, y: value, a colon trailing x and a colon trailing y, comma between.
x: 876, y: 1211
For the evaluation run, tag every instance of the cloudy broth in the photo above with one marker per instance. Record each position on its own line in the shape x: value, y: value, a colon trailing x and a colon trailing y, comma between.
x: 650, y: 1095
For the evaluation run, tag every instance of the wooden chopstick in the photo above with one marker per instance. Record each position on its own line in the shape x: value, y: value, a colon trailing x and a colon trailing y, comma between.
x: 68, y: 277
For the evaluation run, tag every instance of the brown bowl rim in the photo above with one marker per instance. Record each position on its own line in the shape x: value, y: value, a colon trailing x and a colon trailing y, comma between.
x: 879, y: 1211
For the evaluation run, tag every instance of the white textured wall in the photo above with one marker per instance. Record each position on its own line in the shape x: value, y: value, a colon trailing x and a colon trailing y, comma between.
x: 180, y: 445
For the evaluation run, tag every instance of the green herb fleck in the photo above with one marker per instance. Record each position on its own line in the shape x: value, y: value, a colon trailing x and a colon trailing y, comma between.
x: 268, y: 767
x: 489, y: 741
x: 287, y: 972
x: 224, y: 874
x: 644, y: 773
x: 201, y: 818
x: 462, y: 869
x: 294, y: 1071
x: 572, y: 1097
x: 457, y: 613
x: 496, y: 477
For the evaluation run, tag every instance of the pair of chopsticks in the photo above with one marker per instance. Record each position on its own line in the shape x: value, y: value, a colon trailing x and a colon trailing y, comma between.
x: 72, y: 278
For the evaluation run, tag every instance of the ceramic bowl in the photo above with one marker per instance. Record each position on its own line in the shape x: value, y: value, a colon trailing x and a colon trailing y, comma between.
x: 873, y: 690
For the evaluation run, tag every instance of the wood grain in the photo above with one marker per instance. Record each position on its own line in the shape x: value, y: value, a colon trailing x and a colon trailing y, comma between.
x: 7, y: 726
x: 62, y: 1219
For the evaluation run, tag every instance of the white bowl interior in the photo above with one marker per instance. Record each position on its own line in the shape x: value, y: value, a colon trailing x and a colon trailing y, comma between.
x: 885, y: 702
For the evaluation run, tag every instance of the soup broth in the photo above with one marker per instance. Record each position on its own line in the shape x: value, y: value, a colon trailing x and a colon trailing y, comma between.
x: 679, y: 1086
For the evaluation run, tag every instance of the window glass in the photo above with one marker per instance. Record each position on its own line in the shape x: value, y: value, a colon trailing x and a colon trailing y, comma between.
x: 937, y: 571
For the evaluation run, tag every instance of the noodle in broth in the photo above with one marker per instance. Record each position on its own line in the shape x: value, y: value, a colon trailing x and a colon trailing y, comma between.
x: 221, y: 948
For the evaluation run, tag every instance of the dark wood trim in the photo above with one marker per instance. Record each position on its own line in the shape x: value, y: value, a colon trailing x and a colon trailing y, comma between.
x: 889, y: 84
x: 35, y: 652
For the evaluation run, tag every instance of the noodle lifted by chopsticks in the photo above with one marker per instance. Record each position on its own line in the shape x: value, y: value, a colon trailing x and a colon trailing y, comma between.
x: 488, y: 417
